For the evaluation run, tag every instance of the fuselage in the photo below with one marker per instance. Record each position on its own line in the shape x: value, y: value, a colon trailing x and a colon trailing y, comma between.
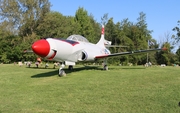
x: 67, y: 50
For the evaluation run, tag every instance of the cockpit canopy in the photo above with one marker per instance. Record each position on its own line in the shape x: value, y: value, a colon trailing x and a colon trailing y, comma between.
x: 77, y: 38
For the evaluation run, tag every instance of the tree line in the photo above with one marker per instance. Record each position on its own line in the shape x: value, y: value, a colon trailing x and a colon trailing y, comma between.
x: 23, y: 22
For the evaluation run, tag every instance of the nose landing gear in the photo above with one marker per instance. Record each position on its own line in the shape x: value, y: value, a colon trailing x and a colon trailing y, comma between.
x: 61, y: 71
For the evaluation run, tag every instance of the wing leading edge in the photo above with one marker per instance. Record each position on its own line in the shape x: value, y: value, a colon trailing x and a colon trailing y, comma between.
x: 128, y: 53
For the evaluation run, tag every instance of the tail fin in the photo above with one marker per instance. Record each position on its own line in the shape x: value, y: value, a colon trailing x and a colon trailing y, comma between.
x: 101, y: 41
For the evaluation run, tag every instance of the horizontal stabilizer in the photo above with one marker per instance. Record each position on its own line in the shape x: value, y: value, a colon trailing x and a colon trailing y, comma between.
x: 106, y: 42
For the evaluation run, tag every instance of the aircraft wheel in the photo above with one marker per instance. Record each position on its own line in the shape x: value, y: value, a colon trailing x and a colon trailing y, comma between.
x: 62, y: 73
x: 105, y: 67
x: 70, y: 67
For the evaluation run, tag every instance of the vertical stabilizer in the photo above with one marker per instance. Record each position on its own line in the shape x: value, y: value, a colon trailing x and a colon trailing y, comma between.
x: 101, y: 41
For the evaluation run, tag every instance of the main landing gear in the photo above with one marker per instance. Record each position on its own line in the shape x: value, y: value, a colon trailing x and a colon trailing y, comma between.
x: 62, y: 72
x: 105, y: 67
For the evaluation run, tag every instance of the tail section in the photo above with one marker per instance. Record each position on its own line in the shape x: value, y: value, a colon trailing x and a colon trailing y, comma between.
x: 102, y: 40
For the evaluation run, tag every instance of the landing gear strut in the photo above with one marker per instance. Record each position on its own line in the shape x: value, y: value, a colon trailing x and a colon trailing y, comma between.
x: 61, y: 71
x: 105, y: 67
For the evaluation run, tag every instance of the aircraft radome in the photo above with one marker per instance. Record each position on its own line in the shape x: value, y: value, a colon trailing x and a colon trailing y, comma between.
x: 76, y: 48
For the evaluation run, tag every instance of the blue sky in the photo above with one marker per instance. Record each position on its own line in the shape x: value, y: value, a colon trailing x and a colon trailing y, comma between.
x: 161, y: 15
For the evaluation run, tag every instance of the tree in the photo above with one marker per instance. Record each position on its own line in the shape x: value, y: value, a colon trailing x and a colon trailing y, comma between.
x: 11, y: 49
x: 53, y: 25
x: 125, y: 33
x: 140, y: 36
x: 178, y: 55
x: 5, y: 30
x: 166, y: 57
x: 177, y: 30
x: 84, y: 25
x: 144, y: 34
x: 104, y: 19
x: 23, y: 14
x: 110, y: 31
x: 151, y: 57
x: 96, y: 29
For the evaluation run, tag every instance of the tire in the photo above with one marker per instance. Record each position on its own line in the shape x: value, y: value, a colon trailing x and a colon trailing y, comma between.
x: 62, y: 73
x: 70, y: 67
x: 105, y: 67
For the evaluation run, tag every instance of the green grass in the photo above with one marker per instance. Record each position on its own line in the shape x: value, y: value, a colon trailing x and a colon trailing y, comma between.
x: 90, y: 90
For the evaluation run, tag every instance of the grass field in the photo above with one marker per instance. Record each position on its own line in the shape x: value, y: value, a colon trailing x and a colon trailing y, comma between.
x: 122, y: 89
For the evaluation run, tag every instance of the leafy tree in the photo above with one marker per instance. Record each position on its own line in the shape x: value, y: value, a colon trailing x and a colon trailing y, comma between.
x: 151, y: 57
x: 5, y: 29
x: 178, y: 55
x: 52, y: 27
x: 168, y: 57
x: 143, y: 34
x: 19, y: 20
x: 10, y: 49
x: 177, y: 30
x: 164, y: 57
x: 96, y: 29
x: 60, y: 26
x: 84, y: 26
x: 140, y: 36
x: 23, y: 14
x: 104, y: 19
x: 125, y: 33
x: 110, y: 30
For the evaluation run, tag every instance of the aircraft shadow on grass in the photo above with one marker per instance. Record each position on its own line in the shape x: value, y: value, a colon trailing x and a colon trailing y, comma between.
x: 56, y: 71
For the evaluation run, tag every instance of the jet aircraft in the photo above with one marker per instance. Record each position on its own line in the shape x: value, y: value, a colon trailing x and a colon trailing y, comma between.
x: 77, y: 48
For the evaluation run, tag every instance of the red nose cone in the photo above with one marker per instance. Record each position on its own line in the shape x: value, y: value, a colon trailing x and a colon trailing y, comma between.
x: 41, y: 47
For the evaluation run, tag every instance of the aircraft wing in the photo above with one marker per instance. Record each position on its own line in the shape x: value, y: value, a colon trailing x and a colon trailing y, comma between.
x: 128, y: 53
x: 28, y: 51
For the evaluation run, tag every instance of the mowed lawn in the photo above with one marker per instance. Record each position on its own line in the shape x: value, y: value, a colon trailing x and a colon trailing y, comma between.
x: 122, y: 89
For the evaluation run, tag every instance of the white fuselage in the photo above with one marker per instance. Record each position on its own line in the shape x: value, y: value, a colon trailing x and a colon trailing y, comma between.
x: 81, y: 51
x: 70, y: 51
